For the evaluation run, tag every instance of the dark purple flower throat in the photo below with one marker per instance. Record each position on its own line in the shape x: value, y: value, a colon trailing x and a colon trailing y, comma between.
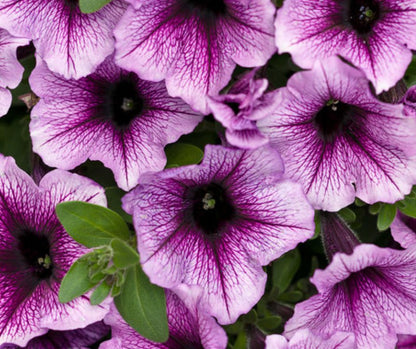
x: 363, y: 14
x: 34, y: 249
x: 211, y: 208
x: 123, y: 102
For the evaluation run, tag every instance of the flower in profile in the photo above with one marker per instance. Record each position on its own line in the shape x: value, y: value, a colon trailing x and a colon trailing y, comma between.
x: 304, y: 339
x: 189, y: 326
x: 36, y: 252
x: 80, y: 338
x: 194, y: 44
x: 10, y: 70
x: 71, y: 42
x: 403, y: 229
x: 339, y: 141
x: 111, y: 116
x: 366, y: 290
x: 374, y: 35
x: 215, y: 224
x: 240, y: 108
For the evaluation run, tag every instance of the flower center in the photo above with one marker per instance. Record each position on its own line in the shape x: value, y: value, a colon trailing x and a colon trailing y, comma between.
x: 363, y: 14
x: 211, y: 208
x: 207, y: 7
x: 332, y: 119
x: 35, y: 250
x: 71, y: 3
x: 123, y: 102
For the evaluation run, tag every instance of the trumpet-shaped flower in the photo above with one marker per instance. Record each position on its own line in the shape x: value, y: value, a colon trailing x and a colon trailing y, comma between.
x: 36, y: 252
x: 366, y: 290
x: 339, y: 141
x: 71, y: 42
x: 111, y: 116
x: 194, y: 44
x: 216, y: 224
x: 374, y: 35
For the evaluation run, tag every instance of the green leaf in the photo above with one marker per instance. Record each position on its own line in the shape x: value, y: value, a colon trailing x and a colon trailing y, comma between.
x: 386, y: 216
x: 375, y: 208
x: 408, y: 207
x: 270, y: 323
x: 123, y: 254
x: 90, y: 6
x: 183, y: 154
x: 91, y: 225
x: 284, y: 269
x: 348, y: 215
x: 291, y: 297
x: 76, y: 281
x: 100, y: 293
x: 143, y: 305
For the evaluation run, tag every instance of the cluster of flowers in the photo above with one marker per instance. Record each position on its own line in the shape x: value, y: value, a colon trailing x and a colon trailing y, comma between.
x: 119, y: 84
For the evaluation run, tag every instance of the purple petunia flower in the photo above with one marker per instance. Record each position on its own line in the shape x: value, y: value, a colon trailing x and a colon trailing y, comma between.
x: 375, y: 35
x: 10, y: 70
x: 36, y: 252
x: 403, y: 230
x: 72, y: 43
x: 194, y: 44
x: 80, y: 338
x: 111, y: 116
x: 189, y: 326
x: 215, y: 225
x: 304, y: 339
x: 339, y: 141
x: 367, y: 290
x: 240, y: 108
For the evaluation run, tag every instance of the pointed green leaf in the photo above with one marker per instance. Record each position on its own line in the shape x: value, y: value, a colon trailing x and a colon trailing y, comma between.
x: 90, y: 6
x: 348, y: 215
x: 100, y: 293
x: 76, y: 281
x: 123, y: 254
x: 269, y: 324
x: 386, y: 216
x: 183, y: 154
x: 91, y: 225
x: 143, y: 305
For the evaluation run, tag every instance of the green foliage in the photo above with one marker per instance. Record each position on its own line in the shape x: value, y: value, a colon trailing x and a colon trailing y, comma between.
x: 76, y: 282
x: 143, y: 306
x: 284, y: 269
x: 386, y: 216
x: 408, y: 205
x: 90, y: 6
x: 181, y: 154
x: 100, y: 293
x: 123, y: 254
x: 91, y: 225
x: 348, y: 215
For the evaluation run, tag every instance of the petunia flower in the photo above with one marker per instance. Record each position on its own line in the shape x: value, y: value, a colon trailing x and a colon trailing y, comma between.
x: 215, y: 224
x: 10, y: 70
x: 71, y: 42
x: 374, y: 35
x: 111, y: 116
x: 366, y: 290
x: 403, y: 229
x: 36, y: 252
x: 189, y: 326
x: 339, y: 141
x: 304, y: 339
x: 80, y: 338
x: 240, y: 108
x: 194, y: 44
